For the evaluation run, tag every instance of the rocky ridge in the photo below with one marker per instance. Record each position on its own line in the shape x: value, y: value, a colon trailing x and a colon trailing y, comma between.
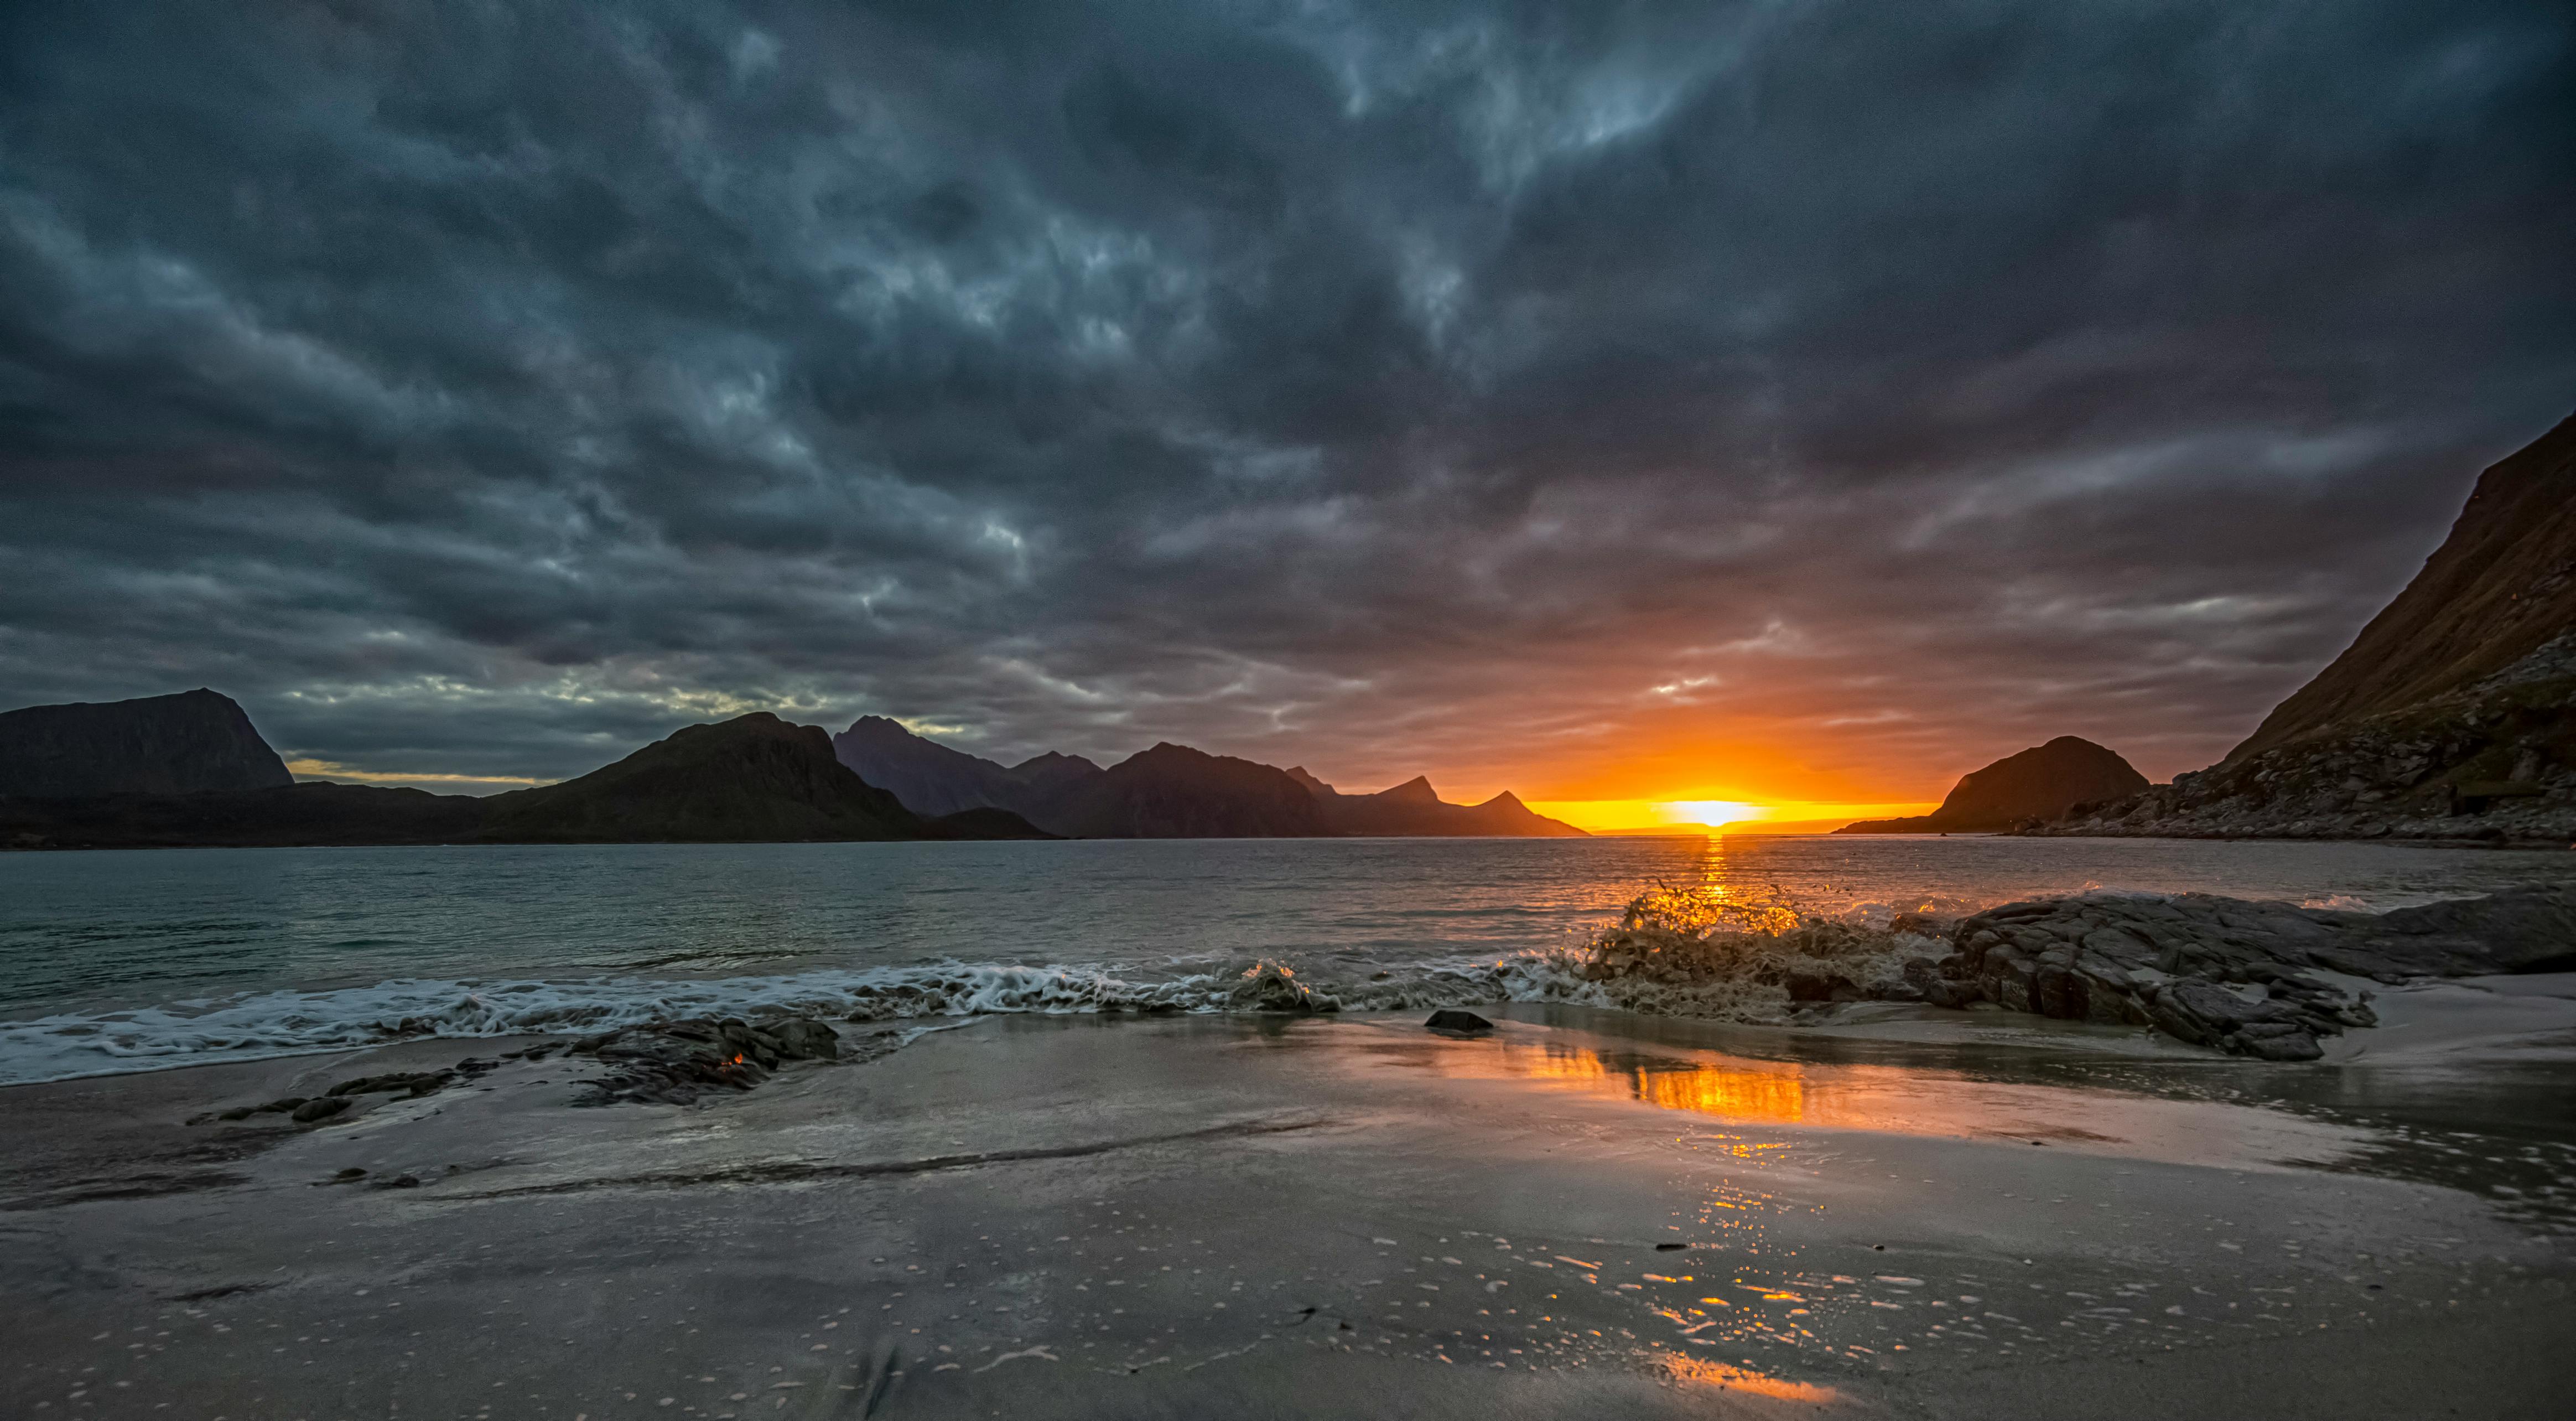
x: 2492, y: 762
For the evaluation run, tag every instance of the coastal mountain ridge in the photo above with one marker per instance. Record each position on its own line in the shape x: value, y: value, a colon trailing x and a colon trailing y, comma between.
x: 1175, y: 792
x: 2451, y: 716
x: 2040, y: 783
x: 752, y: 779
x: 931, y: 778
x: 755, y: 778
x: 1414, y: 809
x: 1170, y: 791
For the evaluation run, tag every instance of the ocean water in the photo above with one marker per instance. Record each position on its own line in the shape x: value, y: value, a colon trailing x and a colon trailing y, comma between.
x: 122, y: 961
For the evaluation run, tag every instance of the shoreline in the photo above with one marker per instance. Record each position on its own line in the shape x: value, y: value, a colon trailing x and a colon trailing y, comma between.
x: 1292, y: 1216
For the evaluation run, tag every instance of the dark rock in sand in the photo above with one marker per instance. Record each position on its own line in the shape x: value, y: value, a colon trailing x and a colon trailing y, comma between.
x: 676, y: 1062
x: 1813, y: 986
x: 2235, y: 975
x: 322, y: 1109
x: 804, y: 1039
x: 415, y: 1083
x: 1463, y: 1022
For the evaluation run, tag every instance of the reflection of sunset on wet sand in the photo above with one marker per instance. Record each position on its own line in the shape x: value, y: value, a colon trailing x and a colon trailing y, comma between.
x: 1772, y: 1093
x: 1700, y: 1372
x: 1887, y: 1099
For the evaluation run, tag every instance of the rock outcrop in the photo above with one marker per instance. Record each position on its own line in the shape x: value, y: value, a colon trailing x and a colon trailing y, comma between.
x: 2034, y: 786
x: 2261, y: 979
x: 194, y: 742
x: 2451, y: 716
x: 2240, y: 976
x: 676, y: 1062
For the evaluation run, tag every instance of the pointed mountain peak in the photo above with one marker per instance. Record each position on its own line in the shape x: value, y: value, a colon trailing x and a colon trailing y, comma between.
x: 1313, y: 785
x: 1416, y: 790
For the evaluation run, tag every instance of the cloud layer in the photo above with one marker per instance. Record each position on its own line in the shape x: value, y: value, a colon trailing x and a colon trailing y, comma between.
x: 1807, y: 399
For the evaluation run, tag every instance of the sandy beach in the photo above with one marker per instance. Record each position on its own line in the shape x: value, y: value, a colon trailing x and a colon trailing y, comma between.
x: 1582, y: 1213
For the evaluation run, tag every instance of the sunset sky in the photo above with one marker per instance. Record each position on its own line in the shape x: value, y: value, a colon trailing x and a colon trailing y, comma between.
x: 1787, y: 404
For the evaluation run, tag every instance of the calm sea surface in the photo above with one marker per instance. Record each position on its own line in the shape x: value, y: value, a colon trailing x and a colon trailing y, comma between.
x: 132, y: 960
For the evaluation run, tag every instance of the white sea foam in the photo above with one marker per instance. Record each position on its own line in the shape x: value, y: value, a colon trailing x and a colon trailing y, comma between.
x: 272, y: 1024
x: 1744, y: 947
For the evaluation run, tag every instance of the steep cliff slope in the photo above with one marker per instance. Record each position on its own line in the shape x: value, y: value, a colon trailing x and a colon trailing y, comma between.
x: 2501, y: 586
x: 189, y: 743
x: 2452, y: 715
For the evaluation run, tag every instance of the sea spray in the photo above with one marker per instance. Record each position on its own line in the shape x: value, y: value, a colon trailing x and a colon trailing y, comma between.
x: 1676, y: 950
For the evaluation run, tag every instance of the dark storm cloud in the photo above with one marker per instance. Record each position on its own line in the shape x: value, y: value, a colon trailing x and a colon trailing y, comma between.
x: 486, y: 388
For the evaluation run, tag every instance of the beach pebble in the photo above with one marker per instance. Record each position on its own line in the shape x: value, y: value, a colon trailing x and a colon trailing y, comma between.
x: 1462, y: 1022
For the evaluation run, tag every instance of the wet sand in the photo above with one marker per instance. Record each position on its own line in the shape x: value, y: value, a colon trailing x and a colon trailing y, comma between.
x: 1583, y: 1214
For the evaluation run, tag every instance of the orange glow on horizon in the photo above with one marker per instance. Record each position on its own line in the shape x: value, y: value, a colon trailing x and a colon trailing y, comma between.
x: 1735, y: 815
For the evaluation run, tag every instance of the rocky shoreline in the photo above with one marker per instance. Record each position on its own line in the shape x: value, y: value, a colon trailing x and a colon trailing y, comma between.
x: 2259, y: 979
x: 2253, y: 979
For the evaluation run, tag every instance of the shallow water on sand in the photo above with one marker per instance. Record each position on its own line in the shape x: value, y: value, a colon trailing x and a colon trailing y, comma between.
x: 136, y: 960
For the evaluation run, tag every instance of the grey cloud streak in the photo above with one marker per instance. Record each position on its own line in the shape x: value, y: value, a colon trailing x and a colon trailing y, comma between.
x: 487, y: 388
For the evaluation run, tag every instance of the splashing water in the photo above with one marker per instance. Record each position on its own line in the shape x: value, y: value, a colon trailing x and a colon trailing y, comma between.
x: 1683, y: 950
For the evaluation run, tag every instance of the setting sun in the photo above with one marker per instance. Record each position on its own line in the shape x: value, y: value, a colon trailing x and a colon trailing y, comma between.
x: 1711, y: 812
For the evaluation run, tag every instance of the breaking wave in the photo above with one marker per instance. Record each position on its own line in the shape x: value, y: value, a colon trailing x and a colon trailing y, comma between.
x: 1678, y: 951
